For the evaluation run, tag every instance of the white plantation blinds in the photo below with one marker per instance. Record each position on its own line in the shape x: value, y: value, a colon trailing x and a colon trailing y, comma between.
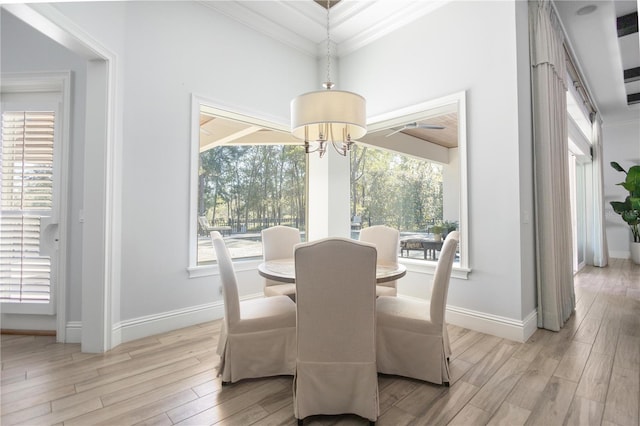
x: 27, y: 194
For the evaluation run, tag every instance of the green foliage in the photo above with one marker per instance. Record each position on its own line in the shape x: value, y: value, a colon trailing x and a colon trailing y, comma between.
x: 450, y: 225
x: 394, y: 189
x: 629, y: 209
x: 245, y: 185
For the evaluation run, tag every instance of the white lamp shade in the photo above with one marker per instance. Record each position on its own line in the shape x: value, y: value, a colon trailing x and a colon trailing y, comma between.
x: 345, y: 111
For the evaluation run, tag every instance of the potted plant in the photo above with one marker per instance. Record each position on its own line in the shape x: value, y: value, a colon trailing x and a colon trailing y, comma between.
x: 449, y: 226
x: 437, y: 230
x: 629, y: 209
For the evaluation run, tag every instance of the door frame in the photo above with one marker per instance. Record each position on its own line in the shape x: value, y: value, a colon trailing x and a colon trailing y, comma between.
x: 102, y: 175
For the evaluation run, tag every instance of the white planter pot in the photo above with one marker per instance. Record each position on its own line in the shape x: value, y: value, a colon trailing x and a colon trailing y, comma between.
x: 635, y: 253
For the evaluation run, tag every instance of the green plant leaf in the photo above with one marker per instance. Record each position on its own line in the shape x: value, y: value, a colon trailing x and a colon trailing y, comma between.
x: 619, y: 206
x: 617, y: 167
x: 632, y: 182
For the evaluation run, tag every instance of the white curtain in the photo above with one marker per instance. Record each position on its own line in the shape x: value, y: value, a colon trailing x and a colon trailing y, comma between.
x: 554, y: 250
x: 600, y: 249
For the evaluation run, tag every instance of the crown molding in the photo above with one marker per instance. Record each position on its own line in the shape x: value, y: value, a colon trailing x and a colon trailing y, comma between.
x: 302, y: 24
x: 239, y: 12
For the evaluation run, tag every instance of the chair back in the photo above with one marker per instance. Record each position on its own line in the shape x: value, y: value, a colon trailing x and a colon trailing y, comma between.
x: 336, y: 369
x: 336, y: 293
x: 386, y: 240
x: 229, y: 281
x: 441, y: 278
x: 278, y: 242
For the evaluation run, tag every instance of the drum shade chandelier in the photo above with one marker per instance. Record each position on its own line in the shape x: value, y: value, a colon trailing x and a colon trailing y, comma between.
x: 328, y: 116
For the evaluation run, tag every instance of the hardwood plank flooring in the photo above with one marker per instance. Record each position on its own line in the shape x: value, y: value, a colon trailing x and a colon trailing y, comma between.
x: 586, y: 374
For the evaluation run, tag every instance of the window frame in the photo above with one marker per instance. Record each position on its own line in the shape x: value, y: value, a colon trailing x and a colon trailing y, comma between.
x: 198, y: 105
x: 418, y: 112
x: 376, y: 123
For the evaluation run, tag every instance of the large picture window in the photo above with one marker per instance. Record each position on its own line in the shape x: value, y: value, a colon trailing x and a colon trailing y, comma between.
x: 409, y: 172
x: 250, y: 176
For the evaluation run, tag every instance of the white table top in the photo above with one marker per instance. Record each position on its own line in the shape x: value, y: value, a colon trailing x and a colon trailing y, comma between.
x: 283, y: 270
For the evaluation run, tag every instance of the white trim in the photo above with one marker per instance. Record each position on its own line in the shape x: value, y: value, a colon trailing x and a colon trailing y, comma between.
x: 506, y: 328
x: 151, y: 325
x: 482, y: 322
x: 620, y: 254
x: 429, y: 267
x: 239, y: 265
x: 100, y: 260
x: 73, y: 332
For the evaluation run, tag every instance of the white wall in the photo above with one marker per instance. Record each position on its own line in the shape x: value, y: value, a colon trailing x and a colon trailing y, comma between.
x: 620, y: 143
x: 447, y: 51
x: 166, y: 51
x: 174, y: 49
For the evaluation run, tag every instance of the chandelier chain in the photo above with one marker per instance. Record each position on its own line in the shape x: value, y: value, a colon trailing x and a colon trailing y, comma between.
x: 328, y: 45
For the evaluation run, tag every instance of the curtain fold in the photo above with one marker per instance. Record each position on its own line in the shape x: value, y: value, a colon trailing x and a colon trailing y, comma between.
x: 600, y: 247
x: 554, y: 250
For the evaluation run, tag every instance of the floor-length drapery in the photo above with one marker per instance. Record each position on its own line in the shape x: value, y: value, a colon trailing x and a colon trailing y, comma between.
x: 600, y: 248
x: 556, y: 298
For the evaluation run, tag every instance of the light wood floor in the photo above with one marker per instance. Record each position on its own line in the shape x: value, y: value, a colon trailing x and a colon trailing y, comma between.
x: 586, y: 374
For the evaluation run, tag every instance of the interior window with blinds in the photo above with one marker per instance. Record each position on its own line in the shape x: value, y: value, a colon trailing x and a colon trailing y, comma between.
x: 27, y: 196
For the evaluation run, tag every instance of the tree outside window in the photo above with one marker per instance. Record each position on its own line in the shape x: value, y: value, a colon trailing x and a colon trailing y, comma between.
x: 244, y: 189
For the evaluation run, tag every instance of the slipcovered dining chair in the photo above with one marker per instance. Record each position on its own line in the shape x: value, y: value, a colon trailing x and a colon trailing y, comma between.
x: 387, y: 241
x: 277, y: 243
x: 412, y: 339
x: 336, y: 362
x: 258, y: 336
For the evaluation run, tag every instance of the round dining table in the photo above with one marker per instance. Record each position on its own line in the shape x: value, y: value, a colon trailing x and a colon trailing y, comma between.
x: 284, y: 270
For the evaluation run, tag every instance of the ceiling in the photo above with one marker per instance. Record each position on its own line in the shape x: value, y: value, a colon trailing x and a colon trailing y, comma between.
x: 602, y: 57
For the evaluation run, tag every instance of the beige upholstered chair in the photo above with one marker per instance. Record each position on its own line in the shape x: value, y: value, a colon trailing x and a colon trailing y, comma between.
x: 258, y: 336
x: 387, y: 241
x: 412, y: 338
x: 277, y: 243
x: 336, y: 363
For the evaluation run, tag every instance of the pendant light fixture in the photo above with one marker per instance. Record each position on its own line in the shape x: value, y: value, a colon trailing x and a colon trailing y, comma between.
x: 328, y: 116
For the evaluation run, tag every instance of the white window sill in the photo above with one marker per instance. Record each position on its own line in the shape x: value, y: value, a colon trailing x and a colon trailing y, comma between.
x: 429, y: 267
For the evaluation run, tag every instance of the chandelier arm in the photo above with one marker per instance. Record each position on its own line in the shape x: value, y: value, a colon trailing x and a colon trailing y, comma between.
x: 342, y: 150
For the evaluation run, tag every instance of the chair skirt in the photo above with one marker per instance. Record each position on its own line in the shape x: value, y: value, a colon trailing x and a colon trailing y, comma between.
x: 353, y: 389
x: 411, y: 354
x: 264, y: 354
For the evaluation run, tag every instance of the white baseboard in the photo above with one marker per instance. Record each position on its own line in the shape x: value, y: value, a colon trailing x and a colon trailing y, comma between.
x: 620, y: 254
x: 140, y: 327
x: 73, y: 332
x: 506, y: 328
x: 153, y: 324
x: 150, y: 325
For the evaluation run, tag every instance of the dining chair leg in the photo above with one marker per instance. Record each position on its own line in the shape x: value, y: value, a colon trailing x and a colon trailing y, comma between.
x: 300, y: 421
